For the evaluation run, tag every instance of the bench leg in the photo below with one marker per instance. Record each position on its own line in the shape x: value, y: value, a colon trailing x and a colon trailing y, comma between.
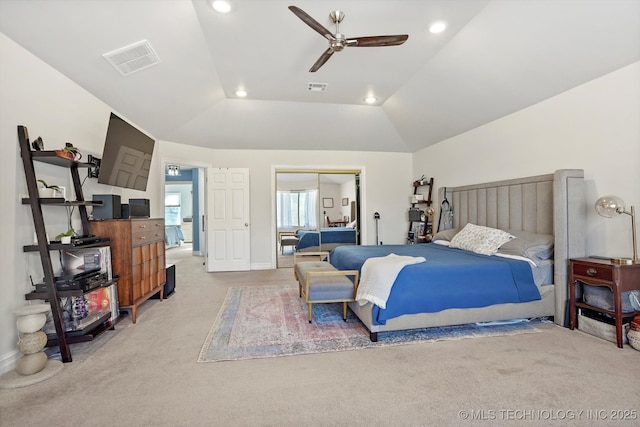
x: 344, y: 311
x: 310, y: 311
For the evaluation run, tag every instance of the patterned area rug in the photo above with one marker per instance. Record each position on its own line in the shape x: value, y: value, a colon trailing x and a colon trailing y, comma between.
x: 269, y: 321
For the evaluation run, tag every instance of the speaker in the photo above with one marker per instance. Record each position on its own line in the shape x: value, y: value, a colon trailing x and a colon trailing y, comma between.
x: 139, y: 202
x: 170, y: 284
x: 129, y: 210
x: 139, y: 208
x: 415, y: 214
x: 110, y: 208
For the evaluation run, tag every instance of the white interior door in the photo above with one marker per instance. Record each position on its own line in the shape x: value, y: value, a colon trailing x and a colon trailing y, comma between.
x: 229, y: 231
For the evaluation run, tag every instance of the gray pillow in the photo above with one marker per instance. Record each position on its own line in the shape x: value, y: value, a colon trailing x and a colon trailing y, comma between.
x: 445, y: 234
x: 537, y: 247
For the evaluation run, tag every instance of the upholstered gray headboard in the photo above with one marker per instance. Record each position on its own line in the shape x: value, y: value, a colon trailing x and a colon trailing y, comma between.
x: 544, y: 204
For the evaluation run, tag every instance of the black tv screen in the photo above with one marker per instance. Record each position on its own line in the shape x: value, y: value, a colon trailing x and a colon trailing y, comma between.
x: 126, y: 159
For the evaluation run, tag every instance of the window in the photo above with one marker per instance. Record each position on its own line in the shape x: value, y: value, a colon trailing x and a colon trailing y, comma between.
x: 298, y: 209
x: 172, y: 215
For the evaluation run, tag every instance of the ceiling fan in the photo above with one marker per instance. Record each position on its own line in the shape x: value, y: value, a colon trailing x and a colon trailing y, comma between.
x: 339, y: 41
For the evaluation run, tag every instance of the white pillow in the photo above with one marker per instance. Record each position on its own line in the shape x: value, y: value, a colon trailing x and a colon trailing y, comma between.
x: 480, y: 239
x: 352, y: 224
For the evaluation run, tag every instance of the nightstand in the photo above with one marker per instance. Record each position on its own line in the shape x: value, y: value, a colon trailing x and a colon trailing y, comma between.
x: 602, y: 272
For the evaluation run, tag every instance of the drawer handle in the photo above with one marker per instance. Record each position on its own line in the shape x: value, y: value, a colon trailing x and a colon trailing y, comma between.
x: 591, y: 272
x: 142, y: 226
x: 142, y: 237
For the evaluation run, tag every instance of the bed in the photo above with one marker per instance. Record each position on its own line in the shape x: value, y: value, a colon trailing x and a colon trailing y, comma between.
x: 550, y: 205
x: 173, y: 236
x: 326, y: 240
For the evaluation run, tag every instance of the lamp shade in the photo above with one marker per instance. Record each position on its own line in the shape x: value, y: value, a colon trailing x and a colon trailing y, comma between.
x: 609, y: 206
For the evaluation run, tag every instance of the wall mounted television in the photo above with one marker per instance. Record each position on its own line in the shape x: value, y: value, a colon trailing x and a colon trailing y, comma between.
x: 126, y: 159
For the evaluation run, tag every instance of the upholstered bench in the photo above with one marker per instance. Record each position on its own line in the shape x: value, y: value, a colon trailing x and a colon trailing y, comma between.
x: 288, y: 240
x: 321, y: 282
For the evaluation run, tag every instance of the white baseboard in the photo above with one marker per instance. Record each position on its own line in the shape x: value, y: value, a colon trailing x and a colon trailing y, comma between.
x: 262, y: 266
x: 8, y: 361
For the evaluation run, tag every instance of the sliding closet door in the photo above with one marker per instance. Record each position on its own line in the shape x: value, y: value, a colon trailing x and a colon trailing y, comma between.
x: 297, y: 207
x: 313, y: 200
x: 338, y: 192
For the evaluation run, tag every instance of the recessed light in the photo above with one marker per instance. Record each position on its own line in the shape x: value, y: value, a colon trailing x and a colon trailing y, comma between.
x: 241, y: 93
x: 221, y: 6
x: 438, y: 27
x: 371, y: 100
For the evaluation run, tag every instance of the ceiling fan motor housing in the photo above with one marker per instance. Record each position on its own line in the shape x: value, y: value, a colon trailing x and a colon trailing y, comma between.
x: 339, y: 42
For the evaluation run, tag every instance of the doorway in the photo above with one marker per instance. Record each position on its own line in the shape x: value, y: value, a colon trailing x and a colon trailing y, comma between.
x: 311, y: 201
x: 184, y: 210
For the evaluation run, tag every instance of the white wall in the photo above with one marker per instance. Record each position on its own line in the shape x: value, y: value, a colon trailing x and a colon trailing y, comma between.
x: 386, y: 184
x: 595, y: 127
x: 53, y: 107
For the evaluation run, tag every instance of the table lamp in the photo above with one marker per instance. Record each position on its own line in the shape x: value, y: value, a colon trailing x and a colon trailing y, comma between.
x: 608, y: 207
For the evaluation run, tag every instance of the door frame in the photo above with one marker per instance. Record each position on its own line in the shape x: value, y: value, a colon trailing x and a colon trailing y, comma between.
x: 203, y: 188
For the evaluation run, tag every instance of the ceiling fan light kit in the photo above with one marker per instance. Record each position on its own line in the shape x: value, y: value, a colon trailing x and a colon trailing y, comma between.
x: 338, y: 41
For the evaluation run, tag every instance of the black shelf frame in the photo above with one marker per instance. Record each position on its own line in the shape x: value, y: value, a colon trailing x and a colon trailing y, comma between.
x: 62, y: 338
x: 56, y: 246
x: 88, y: 333
x: 34, y: 295
x: 428, y: 202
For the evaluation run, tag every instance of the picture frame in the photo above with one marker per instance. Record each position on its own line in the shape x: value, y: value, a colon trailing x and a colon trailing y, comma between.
x: 327, y: 202
x: 345, y: 201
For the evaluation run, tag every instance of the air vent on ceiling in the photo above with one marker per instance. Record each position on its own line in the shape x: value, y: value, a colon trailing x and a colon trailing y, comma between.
x: 132, y: 58
x: 317, y: 87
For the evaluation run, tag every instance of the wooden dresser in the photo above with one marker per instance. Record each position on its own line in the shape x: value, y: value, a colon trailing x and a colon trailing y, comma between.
x: 137, y: 256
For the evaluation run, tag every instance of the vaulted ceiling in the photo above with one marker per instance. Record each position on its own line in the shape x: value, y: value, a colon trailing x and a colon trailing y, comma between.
x: 495, y: 58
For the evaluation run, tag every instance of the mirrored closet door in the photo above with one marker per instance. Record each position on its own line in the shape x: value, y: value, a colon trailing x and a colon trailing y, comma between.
x: 315, y: 210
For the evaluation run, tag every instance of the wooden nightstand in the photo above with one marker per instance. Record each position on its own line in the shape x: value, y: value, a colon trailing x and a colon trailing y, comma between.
x: 602, y: 272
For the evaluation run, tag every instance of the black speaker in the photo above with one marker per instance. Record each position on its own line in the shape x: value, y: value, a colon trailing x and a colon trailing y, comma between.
x: 170, y: 284
x: 139, y: 208
x: 130, y: 210
x: 124, y: 211
x: 110, y: 208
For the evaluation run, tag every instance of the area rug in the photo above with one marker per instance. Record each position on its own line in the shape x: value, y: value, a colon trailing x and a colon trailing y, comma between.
x: 270, y: 321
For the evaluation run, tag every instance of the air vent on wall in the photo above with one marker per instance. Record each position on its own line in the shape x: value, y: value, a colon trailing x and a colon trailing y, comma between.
x: 132, y: 58
x: 317, y: 87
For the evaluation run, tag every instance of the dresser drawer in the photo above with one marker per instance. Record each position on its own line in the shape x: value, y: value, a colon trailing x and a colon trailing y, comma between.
x: 593, y: 271
x: 146, y: 231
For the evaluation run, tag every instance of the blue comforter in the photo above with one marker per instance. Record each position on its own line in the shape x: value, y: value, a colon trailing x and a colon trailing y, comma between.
x: 450, y: 278
x: 310, y: 238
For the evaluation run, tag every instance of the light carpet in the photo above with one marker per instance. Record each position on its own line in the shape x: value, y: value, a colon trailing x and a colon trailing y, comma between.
x: 270, y: 321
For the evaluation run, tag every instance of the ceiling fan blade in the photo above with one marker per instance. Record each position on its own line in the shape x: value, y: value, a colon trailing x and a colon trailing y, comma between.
x: 372, y: 41
x: 312, y: 22
x: 320, y: 62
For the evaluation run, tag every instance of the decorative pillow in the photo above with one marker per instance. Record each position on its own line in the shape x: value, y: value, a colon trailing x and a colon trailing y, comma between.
x: 445, y: 234
x: 480, y: 239
x: 537, y: 247
x: 352, y: 224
